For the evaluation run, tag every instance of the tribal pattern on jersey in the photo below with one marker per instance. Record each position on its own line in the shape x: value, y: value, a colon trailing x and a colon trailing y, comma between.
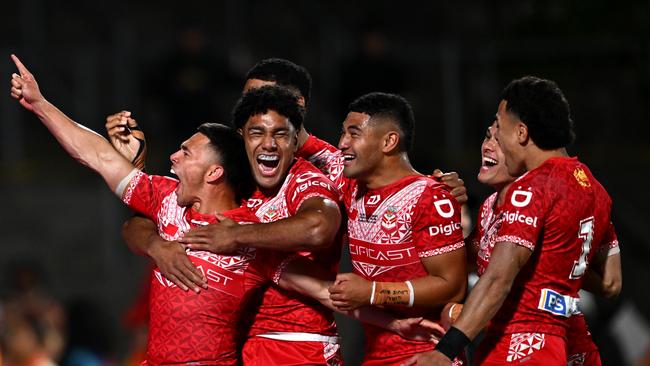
x: 186, y: 327
x: 523, y: 345
x: 286, y: 311
x: 561, y: 213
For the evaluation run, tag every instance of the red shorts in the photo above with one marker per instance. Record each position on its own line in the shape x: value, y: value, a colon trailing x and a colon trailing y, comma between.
x: 591, y: 358
x: 400, y: 359
x: 529, y: 349
x: 265, y: 352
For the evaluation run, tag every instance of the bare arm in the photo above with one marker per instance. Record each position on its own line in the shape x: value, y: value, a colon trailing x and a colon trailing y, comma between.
x: 307, y: 278
x: 141, y: 235
x: 84, y: 145
x: 446, y: 282
x: 604, y: 276
x: 492, y: 288
x: 313, y: 227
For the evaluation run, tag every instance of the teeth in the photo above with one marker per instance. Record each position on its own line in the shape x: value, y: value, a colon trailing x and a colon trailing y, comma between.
x: 172, y: 171
x: 490, y: 161
x: 268, y: 157
x: 348, y: 157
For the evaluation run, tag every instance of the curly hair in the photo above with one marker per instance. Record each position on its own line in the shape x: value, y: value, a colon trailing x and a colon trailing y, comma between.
x: 393, y: 107
x: 541, y: 105
x: 269, y: 97
x: 284, y: 73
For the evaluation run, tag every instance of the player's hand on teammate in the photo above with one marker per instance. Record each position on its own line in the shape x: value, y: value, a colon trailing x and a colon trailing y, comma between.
x: 450, y: 314
x: 350, y: 292
x: 455, y: 184
x: 417, y: 329
x: 24, y: 87
x: 127, y: 137
x: 216, y: 238
x: 431, y: 358
x: 173, y: 263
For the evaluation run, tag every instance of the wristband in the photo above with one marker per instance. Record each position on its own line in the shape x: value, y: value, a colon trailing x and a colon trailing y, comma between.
x: 411, y: 294
x: 452, y: 343
x: 372, y: 293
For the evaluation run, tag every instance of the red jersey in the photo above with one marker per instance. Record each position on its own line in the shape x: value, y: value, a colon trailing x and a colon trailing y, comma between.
x: 287, y: 311
x: 483, y: 238
x: 389, y: 230
x: 186, y: 327
x: 562, y: 214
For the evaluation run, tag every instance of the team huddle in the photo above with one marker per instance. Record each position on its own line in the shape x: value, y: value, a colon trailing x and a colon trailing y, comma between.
x: 247, y: 239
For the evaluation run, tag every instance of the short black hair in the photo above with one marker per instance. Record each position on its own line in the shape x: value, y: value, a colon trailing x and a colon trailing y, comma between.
x: 284, y: 73
x: 269, y: 97
x: 229, y: 145
x: 392, y: 106
x: 541, y: 105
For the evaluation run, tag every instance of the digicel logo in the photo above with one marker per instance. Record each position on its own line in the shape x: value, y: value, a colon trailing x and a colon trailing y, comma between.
x: 444, y: 229
x: 512, y: 217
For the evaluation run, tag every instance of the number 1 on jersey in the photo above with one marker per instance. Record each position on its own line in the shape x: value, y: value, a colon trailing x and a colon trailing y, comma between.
x: 587, y: 235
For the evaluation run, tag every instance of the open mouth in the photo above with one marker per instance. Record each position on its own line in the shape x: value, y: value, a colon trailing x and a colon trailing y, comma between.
x: 348, y: 158
x: 489, y: 162
x: 268, y: 164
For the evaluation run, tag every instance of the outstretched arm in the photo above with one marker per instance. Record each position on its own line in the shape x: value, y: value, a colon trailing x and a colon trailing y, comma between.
x: 81, y: 143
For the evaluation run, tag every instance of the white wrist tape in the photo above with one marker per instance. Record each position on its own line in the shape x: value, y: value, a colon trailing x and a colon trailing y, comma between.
x: 411, y: 293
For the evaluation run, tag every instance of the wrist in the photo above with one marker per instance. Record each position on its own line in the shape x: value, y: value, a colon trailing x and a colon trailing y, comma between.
x: 452, y: 343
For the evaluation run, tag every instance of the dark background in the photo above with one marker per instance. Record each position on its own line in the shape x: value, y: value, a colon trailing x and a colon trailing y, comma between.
x: 177, y: 64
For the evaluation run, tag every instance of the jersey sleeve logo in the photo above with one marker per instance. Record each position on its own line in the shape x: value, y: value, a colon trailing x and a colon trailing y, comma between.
x: 581, y: 177
x: 444, y: 207
x: 306, y: 176
x: 521, y: 198
x: 253, y: 202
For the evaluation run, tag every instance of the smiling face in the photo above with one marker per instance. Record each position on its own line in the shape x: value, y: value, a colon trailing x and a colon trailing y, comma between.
x: 361, y: 145
x: 493, y: 171
x: 191, y: 164
x: 510, y: 134
x: 270, y: 141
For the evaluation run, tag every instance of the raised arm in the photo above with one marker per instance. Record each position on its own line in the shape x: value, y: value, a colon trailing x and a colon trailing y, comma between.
x: 81, y: 143
x: 313, y: 227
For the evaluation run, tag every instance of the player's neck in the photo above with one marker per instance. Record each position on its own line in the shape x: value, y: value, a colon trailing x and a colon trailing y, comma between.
x: 391, y: 170
x: 538, y: 156
x: 216, y: 200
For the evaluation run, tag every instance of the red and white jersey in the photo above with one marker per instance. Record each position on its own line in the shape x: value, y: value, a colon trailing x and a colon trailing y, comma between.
x: 287, y: 311
x: 190, y: 328
x: 389, y: 230
x: 562, y: 214
x: 325, y: 157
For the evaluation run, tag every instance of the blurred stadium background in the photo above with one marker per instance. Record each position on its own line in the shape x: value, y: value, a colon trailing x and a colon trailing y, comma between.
x: 177, y: 64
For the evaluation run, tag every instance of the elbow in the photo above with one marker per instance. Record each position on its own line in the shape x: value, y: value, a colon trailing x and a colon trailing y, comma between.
x: 612, y: 288
x: 321, y: 235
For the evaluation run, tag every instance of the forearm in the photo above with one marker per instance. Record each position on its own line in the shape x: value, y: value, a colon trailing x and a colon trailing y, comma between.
x: 308, y: 278
x: 140, y: 235
x: 482, y: 304
x: 313, y: 230
x: 83, y: 144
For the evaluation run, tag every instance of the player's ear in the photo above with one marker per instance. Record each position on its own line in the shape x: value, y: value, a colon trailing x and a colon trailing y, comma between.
x: 391, y: 141
x: 522, y: 133
x: 301, y: 101
x: 214, y: 173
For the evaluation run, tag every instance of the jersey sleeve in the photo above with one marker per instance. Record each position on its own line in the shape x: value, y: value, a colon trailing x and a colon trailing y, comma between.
x: 308, y: 184
x: 523, y: 212
x: 144, y: 193
x: 327, y: 158
x: 436, y: 223
x: 610, y: 241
